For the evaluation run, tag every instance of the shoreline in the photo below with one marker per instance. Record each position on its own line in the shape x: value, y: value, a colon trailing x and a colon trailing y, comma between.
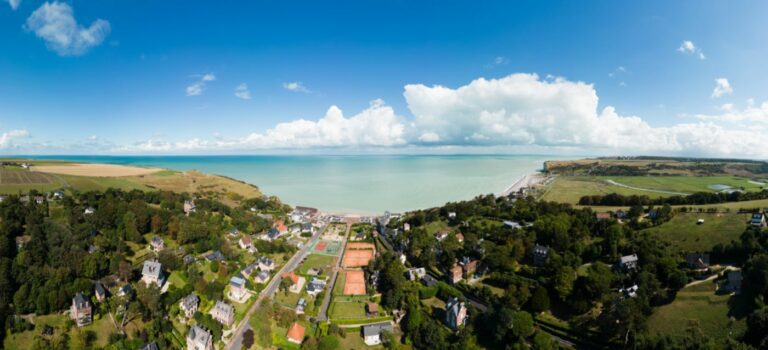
x: 527, y: 181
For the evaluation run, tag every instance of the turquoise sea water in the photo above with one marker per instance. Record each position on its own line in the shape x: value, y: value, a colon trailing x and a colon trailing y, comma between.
x: 365, y: 184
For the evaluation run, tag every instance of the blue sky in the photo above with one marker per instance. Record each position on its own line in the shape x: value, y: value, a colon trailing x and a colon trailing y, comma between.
x: 127, y: 76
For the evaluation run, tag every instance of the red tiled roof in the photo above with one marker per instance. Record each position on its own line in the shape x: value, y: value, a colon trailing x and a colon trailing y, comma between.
x: 296, y: 333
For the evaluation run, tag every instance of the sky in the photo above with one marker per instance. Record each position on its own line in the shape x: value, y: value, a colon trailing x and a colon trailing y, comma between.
x: 247, y: 77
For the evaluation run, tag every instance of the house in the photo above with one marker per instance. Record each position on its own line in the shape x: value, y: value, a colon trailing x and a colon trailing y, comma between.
x: 441, y: 235
x: 628, y: 262
x: 295, y: 333
x: 540, y: 255
x: 234, y: 232
x: 99, y: 291
x: 359, y: 236
x: 265, y: 264
x: 199, y: 338
x: 3, y: 198
x: 402, y: 258
x: 697, y: 261
x: 758, y: 220
x: 300, y: 306
x: 249, y: 270
x: 460, y: 237
x: 297, y: 282
x: 732, y: 282
x: 455, y: 313
x: 152, y: 273
x: 272, y: 234
x: 215, y: 256
x: 468, y: 266
x: 307, y: 228
x: 315, y: 286
x: 280, y: 227
x: 125, y: 291
x: 223, y: 312
x: 156, y: 244
x: 39, y: 199
x: 89, y: 211
x: 629, y: 292
x: 415, y: 273
x: 455, y: 274
x: 603, y: 216
x: 81, y: 311
x: 620, y: 214
x: 237, y: 289
x: 428, y: 280
x: 261, y: 277
x: 406, y: 227
x: 188, y: 259
x: 372, y: 332
x: 21, y: 241
x: 189, y: 304
x: 149, y: 346
x: 246, y: 242
x: 452, y: 215
x: 372, y: 309
x: 189, y: 207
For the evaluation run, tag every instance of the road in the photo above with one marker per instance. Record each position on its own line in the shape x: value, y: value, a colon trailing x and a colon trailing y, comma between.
x: 236, y: 340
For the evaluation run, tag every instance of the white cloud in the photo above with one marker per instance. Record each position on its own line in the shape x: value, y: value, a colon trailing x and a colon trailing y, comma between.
x: 722, y: 87
x: 242, y: 92
x: 521, y: 109
x: 196, y: 88
x: 6, y: 138
x: 56, y: 25
x: 14, y: 3
x: 295, y: 86
x: 689, y: 48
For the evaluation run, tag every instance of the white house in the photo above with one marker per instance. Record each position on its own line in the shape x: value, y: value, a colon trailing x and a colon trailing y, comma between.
x: 372, y: 332
x: 152, y: 273
x: 199, y: 338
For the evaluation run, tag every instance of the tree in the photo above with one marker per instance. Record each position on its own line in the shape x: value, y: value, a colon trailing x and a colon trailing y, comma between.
x: 543, y: 341
x: 328, y: 342
x: 248, y: 339
x: 540, y: 300
x: 564, y: 282
x: 522, y: 324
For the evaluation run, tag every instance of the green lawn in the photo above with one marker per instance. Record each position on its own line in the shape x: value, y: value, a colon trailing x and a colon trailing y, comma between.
x: 83, y: 183
x: 13, y: 181
x: 354, y: 341
x: 569, y: 189
x: 698, y: 306
x: 683, y: 232
x: 101, y: 327
x: 338, y: 288
x: 435, y: 226
x: 176, y: 279
x: 347, y: 310
x: 317, y: 261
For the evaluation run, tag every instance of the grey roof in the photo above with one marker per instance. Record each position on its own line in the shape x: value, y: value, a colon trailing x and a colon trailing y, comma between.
x: 80, y: 301
x: 199, y: 334
x: 629, y: 258
x: 223, y: 308
x: 265, y: 260
x: 149, y: 346
x: 453, y: 306
x: 428, y: 280
x: 263, y: 275
x: 540, y: 249
x: 376, y: 328
x: 190, y: 301
x: 215, y: 255
x: 152, y: 268
x: 99, y: 288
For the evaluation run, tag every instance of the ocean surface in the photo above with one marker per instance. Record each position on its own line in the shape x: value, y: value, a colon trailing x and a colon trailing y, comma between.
x: 364, y: 184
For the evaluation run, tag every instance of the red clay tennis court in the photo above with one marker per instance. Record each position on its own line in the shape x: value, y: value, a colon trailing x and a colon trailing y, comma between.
x: 358, y: 254
x: 321, y: 246
x: 354, y: 283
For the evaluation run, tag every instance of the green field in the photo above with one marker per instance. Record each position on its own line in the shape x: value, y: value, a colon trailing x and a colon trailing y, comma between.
x: 347, y: 310
x: 684, y: 234
x: 85, y: 183
x: 698, y: 306
x: 569, y: 189
x: 317, y: 261
x: 101, y: 328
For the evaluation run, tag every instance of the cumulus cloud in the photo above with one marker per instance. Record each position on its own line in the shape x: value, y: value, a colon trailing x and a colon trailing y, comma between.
x: 7, y: 138
x: 56, y: 25
x: 295, y: 86
x: 242, y: 92
x: 689, y: 48
x: 522, y: 109
x: 14, y: 3
x: 196, y: 88
x: 722, y: 88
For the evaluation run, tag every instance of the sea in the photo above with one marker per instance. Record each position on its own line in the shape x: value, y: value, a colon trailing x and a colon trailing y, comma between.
x: 359, y: 184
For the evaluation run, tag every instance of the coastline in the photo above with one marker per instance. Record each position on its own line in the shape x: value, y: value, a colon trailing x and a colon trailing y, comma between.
x: 527, y: 181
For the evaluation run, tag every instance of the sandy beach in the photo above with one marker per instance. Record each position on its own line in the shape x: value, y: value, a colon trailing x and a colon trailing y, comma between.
x: 530, y: 180
x: 96, y: 170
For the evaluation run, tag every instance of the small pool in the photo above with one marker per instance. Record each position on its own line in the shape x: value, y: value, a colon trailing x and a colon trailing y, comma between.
x: 719, y: 187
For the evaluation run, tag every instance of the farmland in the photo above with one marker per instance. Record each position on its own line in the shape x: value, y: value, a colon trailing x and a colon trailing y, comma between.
x: 569, y: 189
x: 685, y: 234
x: 13, y: 181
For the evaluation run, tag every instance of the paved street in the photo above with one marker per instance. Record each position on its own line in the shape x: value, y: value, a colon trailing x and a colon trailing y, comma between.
x: 235, y: 342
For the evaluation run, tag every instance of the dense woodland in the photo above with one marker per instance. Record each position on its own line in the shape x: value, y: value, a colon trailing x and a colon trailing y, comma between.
x: 579, y: 282
x: 68, y: 251
x: 698, y: 198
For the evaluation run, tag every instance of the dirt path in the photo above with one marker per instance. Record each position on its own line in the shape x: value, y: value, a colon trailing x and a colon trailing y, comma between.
x: 645, y: 189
